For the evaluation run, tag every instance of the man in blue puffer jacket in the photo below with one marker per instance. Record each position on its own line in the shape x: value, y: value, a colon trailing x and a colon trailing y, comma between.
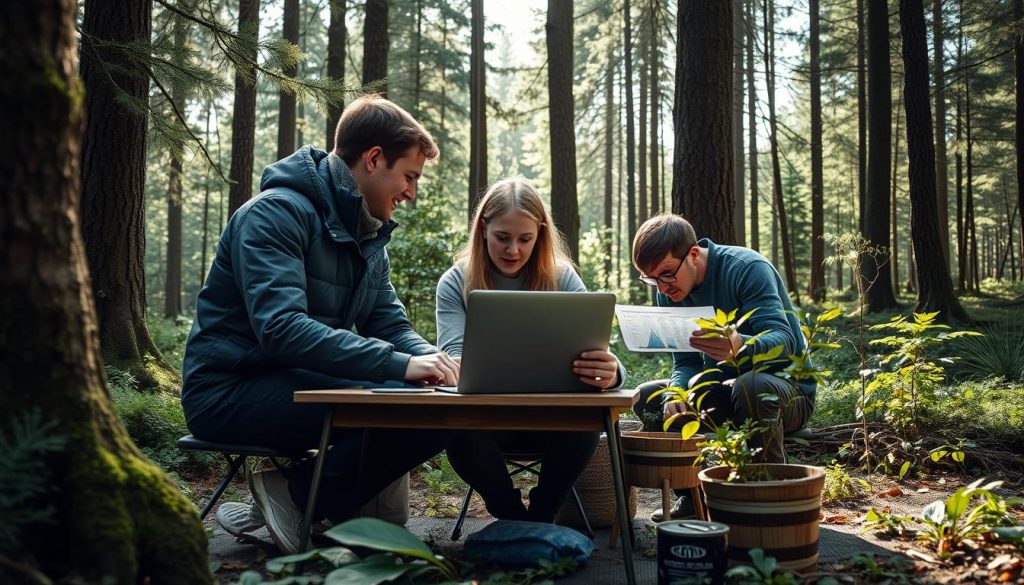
x: 299, y: 296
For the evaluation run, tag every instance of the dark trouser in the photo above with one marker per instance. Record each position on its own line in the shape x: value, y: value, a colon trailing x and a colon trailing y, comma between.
x: 478, y: 457
x: 260, y: 411
x: 738, y: 402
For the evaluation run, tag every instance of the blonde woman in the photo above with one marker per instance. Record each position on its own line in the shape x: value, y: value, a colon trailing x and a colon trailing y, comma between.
x: 514, y: 245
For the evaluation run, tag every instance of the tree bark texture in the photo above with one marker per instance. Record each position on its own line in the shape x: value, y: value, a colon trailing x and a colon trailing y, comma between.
x: 755, y: 196
x: 286, y: 119
x: 564, y: 206
x: 477, y: 108
x: 876, y: 204
x: 375, y: 45
x: 941, y: 171
x: 934, y: 288
x: 702, y: 187
x: 609, y: 141
x: 862, y: 119
x: 175, y: 188
x: 243, y: 120
x: 643, y: 197
x: 816, y: 289
x: 1018, y: 131
x: 778, y: 204
x: 653, y: 63
x: 336, y: 38
x: 738, y: 161
x: 116, y: 517
x: 631, y: 223
x: 113, y: 183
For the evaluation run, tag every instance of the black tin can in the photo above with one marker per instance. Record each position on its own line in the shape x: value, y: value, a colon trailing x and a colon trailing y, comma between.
x: 691, y: 552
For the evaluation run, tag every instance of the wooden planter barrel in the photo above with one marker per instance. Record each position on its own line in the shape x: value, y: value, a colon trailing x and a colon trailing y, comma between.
x: 779, y: 516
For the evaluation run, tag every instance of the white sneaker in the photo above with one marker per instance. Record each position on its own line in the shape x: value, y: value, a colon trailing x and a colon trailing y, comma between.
x: 283, y: 517
x: 238, y: 518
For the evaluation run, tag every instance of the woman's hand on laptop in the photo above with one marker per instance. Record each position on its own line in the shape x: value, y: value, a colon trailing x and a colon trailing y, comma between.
x: 434, y: 368
x: 597, y: 368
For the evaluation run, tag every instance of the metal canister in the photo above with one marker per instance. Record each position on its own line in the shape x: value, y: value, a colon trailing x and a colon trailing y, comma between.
x: 691, y: 552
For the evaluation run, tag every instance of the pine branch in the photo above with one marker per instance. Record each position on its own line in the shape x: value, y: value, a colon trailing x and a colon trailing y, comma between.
x: 181, y: 119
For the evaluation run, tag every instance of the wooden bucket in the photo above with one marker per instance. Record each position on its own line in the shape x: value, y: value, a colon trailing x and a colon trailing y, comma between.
x: 653, y: 458
x: 779, y: 516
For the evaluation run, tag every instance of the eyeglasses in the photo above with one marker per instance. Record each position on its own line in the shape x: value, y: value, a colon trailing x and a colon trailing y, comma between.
x: 666, y: 278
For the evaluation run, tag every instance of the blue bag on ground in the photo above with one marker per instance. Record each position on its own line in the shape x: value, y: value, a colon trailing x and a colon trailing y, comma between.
x: 523, y: 544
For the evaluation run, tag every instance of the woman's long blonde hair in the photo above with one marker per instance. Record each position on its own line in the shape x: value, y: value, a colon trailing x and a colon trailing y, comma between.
x: 549, y: 253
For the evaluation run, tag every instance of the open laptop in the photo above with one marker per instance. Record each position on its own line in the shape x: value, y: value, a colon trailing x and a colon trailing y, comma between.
x: 526, y: 341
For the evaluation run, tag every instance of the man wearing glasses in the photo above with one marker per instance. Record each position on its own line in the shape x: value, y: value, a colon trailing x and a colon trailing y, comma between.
x: 692, y: 273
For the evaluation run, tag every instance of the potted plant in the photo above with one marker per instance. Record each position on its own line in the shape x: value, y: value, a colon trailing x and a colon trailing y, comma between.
x: 773, y: 507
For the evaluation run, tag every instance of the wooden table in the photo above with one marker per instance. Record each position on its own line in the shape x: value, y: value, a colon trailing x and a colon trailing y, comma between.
x: 590, y: 411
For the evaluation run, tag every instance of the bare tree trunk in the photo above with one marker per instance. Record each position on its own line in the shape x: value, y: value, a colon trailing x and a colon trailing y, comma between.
x: 564, y: 206
x: 642, y: 195
x: 961, y: 232
x: 972, y: 226
x: 755, y: 196
x: 702, y: 186
x: 114, y: 516
x: 941, y: 173
x: 894, y: 215
x: 862, y: 120
x: 631, y: 223
x: 876, y: 210
x: 934, y: 288
x: 654, y: 64
x: 206, y: 204
x: 477, y: 108
x: 609, y: 141
x: 286, y: 120
x: 336, y: 38
x: 113, y: 183
x: 1018, y: 127
x: 738, y: 162
x: 817, y: 284
x: 243, y: 122
x: 375, y: 45
x: 779, y: 206
x: 175, y: 187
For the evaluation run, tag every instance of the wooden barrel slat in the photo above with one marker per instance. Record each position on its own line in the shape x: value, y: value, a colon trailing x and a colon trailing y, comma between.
x: 779, y: 516
x: 651, y: 458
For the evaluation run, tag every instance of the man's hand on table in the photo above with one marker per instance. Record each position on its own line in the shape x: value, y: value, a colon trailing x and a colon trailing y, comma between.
x: 438, y: 369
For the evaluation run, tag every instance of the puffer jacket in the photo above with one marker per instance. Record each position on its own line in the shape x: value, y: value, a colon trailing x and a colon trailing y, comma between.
x: 290, y: 287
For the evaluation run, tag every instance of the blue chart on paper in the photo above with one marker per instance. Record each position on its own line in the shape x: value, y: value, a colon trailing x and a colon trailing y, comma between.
x: 656, y: 341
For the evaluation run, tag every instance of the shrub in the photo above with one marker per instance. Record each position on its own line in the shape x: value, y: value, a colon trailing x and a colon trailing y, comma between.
x: 999, y: 353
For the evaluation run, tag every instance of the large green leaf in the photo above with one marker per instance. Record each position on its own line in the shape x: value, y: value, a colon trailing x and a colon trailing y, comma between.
x: 368, y: 573
x: 384, y: 536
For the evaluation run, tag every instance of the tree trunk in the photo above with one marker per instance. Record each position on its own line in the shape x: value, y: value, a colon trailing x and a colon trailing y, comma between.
x: 862, y: 121
x: 631, y: 223
x: 740, y: 190
x: 206, y: 204
x: 115, y: 517
x: 336, y: 38
x: 609, y: 129
x: 941, y: 173
x: 642, y: 196
x: 1018, y: 127
x: 477, y: 108
x: 755, y: 196
x: 702, y: 188
x: 113, y: 185
x: 779, y: 207
x: 934, y: 288
x: 375, y: 45
x: 894, y: 215
x: 817, y: 285
x: 243, y: 121
x: 972, y: 225
x: 286, y: 99
x: 653, y: 63
x: 172, y: 283
x: 876, y: 205
x: 961, y: 233
x: 564, y: 207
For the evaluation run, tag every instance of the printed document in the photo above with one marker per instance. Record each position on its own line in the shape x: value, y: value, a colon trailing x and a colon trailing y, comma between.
x: 652, y: 329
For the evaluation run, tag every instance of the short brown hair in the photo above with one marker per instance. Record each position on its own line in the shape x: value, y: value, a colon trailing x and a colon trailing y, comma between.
x: 372, y: 121
x: 659, y: 236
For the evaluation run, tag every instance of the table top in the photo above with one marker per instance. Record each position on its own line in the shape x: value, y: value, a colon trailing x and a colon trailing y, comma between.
x: 606, y: 399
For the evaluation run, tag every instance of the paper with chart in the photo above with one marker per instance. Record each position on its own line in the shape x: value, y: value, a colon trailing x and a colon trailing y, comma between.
x: 651, y: 329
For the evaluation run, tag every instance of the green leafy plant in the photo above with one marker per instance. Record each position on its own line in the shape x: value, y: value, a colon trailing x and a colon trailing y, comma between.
x: 887, y: 523
x: 839, y: 486
x: 957, y: 452
x: 948, y: 523
x: 763, y: 571
x: 999, y: 352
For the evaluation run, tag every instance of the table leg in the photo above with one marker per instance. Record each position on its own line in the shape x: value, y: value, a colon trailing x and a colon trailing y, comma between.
x: 314, y: 489
x: 621, y: 504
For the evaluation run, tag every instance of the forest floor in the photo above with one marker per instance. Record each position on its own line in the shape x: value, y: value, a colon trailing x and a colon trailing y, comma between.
x: 848, y: 552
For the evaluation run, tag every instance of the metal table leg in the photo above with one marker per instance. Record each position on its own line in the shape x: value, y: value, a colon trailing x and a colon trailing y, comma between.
x: 314, y: 489
x: 621, y: 504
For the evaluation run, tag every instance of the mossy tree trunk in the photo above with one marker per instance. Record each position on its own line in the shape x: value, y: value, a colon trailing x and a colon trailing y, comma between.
x: 113, y: 180
x: 117, y: 517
